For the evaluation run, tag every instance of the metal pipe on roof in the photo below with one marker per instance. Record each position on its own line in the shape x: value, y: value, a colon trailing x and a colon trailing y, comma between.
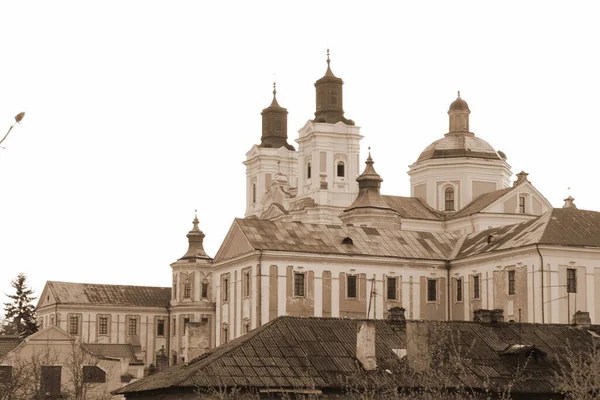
x: 537, y: 246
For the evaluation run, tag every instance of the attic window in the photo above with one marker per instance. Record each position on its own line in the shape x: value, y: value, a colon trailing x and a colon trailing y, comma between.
x: 347, y: 240
x: 449, y: 199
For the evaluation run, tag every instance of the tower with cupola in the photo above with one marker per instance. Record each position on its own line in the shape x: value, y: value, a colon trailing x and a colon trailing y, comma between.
x: 328, y: 152
x: 454, y: 170
x: 192, y: 300
x: 273, y: 160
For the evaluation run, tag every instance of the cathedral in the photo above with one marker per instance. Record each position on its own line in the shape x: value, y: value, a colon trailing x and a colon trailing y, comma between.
x: 318, y: 239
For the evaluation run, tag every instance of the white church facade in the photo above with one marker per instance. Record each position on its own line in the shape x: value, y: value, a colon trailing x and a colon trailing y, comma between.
x: 319, y: 239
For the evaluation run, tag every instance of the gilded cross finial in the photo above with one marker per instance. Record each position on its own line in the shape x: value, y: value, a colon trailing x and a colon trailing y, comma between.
x: 274, y: 89
x: 328, y: 56
x: 459, y: 93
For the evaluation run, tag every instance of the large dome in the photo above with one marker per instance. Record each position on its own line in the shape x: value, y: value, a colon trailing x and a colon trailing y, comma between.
x: 459, y: 145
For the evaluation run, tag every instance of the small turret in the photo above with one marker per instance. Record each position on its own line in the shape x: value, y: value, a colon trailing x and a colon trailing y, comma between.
x: 195, y: 240
x: 569, y: 203
x: 274, y: 125
x: 459, y: 116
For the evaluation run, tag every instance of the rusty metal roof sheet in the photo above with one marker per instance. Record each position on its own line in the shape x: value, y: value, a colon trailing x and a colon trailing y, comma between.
x: 412, y: 208
x: 327, y: 239
x: 89, y: 293
x: 560, y: 226
x: 321, y: 353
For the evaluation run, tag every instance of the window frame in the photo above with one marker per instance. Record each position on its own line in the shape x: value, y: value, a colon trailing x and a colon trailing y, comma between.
x: 395, y: 288
x: 512, y: 285
x: 308, y: 170
x: 459, y: 290
x: 161, y: 322
x: 247, y: 283
x: 225, y: 288
x: 340, y: 166
x: 571, y: 280
x: 204, y: 290
x: 130, y: 326
x: 449, y: 202
x: 101, y: 319
x: 477, y: 287
x: 432, y: 287
x: 352, y: 278
x: 174, y: 326
x: 299, y: 280
x: 76, y: 318
x: 187, y: 289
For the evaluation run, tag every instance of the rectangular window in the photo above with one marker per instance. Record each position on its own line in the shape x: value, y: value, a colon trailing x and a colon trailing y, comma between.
x: 392, y: 288
x: 173, y: 325
x: 160, y: 327
x: 204, y: 290
x: 476, y: 286
x: 103, y: 325
x: 247, y: 282
x: 93, y: 374
x: 50, y: 381
x: 459, y: 293
x: 225, y: 289
x: 511, y: 282
x: 431, y: 290
x: 298, y: 284
x: 74, y: 325
x: 132, y: 326
x: 187, y: 290
x: 351, y: 284
x: 571, y: 280
x: 522, y: 204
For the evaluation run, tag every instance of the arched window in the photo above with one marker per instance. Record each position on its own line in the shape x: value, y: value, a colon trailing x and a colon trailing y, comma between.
x: 340, y: 168
x: 449, y: 199
x: 308, y: 171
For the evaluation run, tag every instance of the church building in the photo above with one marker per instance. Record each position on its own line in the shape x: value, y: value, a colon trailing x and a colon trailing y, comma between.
x: 319, y: 239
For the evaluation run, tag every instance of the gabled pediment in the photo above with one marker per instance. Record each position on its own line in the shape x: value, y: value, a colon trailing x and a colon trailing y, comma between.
x: 510, y: 203
x: 46, y: 298
x: 236, y: 243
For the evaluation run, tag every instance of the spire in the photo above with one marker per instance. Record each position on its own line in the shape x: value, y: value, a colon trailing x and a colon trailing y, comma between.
x: 195, y: 240
x: 330, y: 99
x: 274, y: 125
x: 459, y: 116
x: 569, y: 203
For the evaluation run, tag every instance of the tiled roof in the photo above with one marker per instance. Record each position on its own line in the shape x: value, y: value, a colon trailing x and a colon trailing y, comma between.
x: 327, y: 239
x: 481, y: 202
x: 295, y: 352
x: 560, y: 226
x: 112, y: 350
x: 8, y: 343
x: 88, y: 293
x: 412, y: 208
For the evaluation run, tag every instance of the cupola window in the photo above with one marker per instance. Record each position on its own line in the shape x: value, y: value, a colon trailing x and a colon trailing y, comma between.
x: 340, y: 169
x: 333, y: 98
x: 449, y: 199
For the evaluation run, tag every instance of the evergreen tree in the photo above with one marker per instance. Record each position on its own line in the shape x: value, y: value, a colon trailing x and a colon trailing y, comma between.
x: 20, y: 313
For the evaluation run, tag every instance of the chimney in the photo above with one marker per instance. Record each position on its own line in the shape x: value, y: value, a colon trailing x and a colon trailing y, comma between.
x: 417, y: 345
x: 482, y: 315
x: 365, y: 345
x: 521, y: 178
x: 569, y: 203
x: 396, y: 314
x: 581, y: 319
x: 497, y: 315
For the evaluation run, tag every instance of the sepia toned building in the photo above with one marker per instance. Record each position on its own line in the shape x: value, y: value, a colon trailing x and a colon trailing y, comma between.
x: 319, y: 239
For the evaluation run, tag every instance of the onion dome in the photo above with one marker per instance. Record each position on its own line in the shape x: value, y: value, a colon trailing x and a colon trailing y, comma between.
x: 274, y: 125
x: 195, y: 240
x: 329, y: 105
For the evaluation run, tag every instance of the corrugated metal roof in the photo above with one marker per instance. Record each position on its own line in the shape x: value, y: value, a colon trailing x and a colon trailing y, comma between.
x: 89, y: 293
x: 326, y: 239
x: 321, y: 352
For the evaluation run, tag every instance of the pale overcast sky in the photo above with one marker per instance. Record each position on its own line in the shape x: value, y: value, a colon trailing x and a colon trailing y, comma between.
x: 139, y: 112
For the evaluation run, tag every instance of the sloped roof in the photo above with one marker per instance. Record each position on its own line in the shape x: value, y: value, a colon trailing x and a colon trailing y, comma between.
x: 113, y: 350
x: 481, y: 202
x: 560, y: 226
x: 327, y: 239
x: 8, y: 343
x: 412, y: 208
x: 122, y: 295
x: 296, y: 352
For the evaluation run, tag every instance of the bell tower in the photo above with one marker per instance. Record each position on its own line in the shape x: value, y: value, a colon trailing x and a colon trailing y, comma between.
x: 330, y: 98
